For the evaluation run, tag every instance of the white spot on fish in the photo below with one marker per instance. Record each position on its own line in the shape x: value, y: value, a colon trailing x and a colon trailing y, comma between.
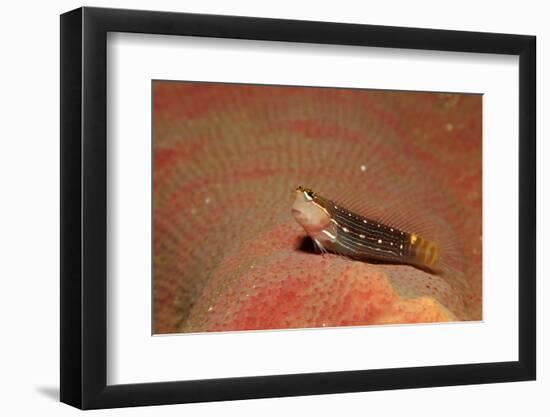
x: 362, y: 236
x: 449, y: 127
x: 364, y: 221
x: 400, y: 246
x: 210, y: 308
x: 207, y: 200
x: 363, y: 168
x: 379, y: 240
x: 345, y: 229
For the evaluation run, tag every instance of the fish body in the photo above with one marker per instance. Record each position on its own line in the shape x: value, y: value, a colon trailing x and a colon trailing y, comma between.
x: 337, y: 229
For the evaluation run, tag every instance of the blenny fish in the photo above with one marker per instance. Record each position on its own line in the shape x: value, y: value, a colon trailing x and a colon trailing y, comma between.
x: 337, y: 229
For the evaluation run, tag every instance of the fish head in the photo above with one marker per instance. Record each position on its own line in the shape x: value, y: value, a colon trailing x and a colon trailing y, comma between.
x: 308, y: 212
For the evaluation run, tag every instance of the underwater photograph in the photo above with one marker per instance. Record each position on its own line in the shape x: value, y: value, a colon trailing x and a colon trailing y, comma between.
x: 289, y: 207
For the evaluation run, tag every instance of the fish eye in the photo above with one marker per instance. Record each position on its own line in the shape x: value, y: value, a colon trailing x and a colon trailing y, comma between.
x: 308, y: 193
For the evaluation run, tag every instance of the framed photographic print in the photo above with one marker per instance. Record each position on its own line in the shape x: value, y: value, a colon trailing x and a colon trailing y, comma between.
x: 259, y: 207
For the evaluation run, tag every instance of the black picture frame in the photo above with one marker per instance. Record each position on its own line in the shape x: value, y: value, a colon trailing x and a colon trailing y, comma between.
x: 84, y: 207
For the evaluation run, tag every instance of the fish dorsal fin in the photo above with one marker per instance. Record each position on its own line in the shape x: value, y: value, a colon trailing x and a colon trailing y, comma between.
x: 406, y: 214
x: 390, y: 210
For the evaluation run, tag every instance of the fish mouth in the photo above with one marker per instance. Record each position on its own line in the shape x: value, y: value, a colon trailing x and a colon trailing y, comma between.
x: 299, y: 217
